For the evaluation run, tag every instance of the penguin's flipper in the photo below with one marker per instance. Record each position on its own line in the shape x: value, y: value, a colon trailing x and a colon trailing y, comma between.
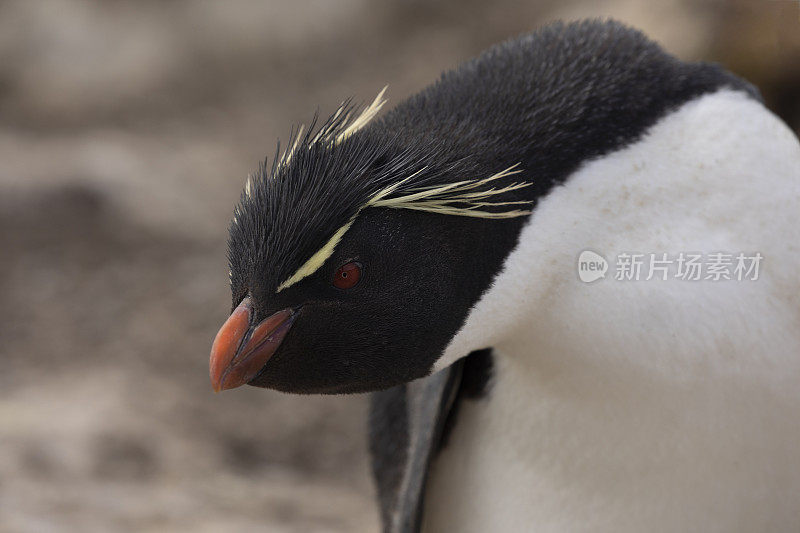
x: 406, y: 425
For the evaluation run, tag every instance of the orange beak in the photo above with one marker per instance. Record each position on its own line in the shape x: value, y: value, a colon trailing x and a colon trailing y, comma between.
x: 241, y: 349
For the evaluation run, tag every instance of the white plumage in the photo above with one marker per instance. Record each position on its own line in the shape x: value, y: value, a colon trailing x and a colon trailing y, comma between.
x: 642, y: 405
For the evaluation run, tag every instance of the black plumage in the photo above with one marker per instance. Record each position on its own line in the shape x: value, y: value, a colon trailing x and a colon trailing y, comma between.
x: 548, y: 101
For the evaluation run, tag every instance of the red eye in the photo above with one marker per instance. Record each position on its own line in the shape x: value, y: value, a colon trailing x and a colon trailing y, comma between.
x: 347, y: 275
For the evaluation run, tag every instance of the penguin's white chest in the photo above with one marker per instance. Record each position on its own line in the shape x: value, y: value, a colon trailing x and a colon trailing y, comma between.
x: 485, y: 479
x: 649, y: 405
x: 545, y: 453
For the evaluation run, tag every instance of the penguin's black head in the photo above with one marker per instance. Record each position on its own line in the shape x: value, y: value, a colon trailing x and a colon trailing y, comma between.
x: 356, y: 258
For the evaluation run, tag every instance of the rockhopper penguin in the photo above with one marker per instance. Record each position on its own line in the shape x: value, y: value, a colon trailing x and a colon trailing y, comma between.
x: 430, y: 255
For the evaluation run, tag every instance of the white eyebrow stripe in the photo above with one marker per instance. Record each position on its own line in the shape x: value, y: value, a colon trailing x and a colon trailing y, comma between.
x: 437, y: 199
x: 318, y: 259
x: 248, y: 185
x: 364, y: 118
x: 359, y: 122
x: 287, y: 155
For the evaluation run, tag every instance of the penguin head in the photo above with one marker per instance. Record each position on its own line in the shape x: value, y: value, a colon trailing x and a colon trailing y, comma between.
x: 356, y: 257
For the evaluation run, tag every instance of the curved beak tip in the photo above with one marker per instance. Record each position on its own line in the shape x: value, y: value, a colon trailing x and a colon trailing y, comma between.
x: 241, y: 349
x: 217, y: 385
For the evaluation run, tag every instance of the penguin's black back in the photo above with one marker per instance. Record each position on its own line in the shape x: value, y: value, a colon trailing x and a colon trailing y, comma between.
x: 544, y: 103
x: 549, y: 100
x: 556, y: 97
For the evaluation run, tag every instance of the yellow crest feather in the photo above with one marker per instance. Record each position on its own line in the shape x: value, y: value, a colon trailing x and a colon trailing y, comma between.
x: 458, y: 198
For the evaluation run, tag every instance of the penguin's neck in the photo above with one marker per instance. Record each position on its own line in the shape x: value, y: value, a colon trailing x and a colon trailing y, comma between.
x: 640, y: 405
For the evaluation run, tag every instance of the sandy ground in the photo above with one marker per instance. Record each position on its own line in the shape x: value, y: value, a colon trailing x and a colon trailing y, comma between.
x: 126, y: 131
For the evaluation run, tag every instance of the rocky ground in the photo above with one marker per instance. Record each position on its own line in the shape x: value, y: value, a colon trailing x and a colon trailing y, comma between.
x: 126, y: 131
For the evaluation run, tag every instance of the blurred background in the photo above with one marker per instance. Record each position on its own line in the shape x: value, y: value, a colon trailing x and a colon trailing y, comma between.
x: 127, y: 129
